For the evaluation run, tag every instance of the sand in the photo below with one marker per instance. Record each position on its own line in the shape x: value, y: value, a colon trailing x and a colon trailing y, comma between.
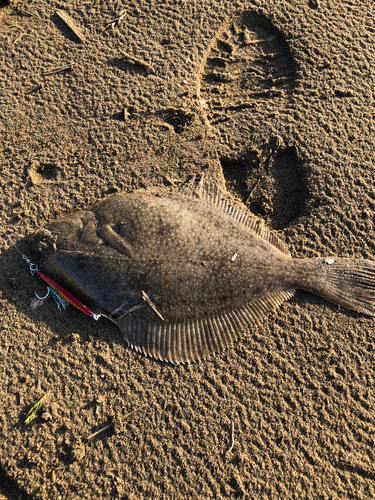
x: 213, y: 86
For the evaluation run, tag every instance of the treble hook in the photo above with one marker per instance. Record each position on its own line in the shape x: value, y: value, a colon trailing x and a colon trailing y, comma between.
x: 42, y: 298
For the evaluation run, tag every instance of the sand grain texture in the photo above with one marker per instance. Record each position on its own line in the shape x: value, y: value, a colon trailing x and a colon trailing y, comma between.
x: 231, y: 79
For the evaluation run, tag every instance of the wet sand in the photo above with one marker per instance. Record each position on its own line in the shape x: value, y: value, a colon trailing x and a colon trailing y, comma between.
x: 209, y: 88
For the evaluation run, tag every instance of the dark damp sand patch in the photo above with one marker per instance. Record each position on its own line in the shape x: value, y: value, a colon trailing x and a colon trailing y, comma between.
x: 274, y: 188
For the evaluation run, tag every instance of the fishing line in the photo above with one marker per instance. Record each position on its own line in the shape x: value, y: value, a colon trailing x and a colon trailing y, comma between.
x: 33, y: 267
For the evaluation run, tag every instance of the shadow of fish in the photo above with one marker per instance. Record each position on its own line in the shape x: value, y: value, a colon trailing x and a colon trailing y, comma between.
x: 182, y: 274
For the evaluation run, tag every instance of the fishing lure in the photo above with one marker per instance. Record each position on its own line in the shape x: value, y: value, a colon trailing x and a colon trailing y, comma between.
x: 64, y: 294
x: 57, y: 289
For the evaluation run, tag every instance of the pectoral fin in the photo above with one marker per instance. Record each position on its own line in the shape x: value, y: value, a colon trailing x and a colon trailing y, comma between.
x: 114, y: 239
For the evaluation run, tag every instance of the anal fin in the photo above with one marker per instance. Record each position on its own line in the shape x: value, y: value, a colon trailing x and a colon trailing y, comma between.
x: 193, y: 340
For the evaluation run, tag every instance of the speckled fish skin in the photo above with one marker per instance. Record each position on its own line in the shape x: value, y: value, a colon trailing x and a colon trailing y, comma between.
x: 207, y: 266
x: 182, y: 257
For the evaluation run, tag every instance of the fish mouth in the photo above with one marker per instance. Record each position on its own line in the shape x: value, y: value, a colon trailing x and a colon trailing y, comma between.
x: 43, y: 242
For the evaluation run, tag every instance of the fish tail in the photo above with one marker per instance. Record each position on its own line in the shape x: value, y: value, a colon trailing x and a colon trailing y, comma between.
x: 346, y: 282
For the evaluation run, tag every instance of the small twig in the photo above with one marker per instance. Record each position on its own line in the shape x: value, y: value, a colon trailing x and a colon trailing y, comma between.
x: 147, y: 299
x: 252, y: 191
x: 68, y: 67
x: 138, y: 62
x: 71, y: 25
x: 259, y: 40
x: 92, y: 436
x: 99, y: 432
x: 247, y: 40
x: 21, y: 35
x: 232, y: 446
x: 23, y: 11
x: 168, y: 179
x: 135, y: 308
x: 118, y: 309
x: 116, y: 21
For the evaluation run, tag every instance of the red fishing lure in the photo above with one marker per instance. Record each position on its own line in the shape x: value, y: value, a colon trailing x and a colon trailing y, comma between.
x: 60, y: 290
x: 67, y: 296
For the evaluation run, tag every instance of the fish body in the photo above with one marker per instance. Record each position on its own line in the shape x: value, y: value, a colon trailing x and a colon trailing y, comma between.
x: 182, y: 274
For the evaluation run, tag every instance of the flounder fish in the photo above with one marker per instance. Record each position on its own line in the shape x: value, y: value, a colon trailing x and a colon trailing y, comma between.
x: 182, y: 274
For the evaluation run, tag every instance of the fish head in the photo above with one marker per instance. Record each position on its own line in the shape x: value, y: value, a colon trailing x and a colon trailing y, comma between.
x: 64, y: 247
x: 75, y: 232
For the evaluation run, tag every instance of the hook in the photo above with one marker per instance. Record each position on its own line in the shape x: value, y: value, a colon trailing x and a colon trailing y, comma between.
x: 42, y: 298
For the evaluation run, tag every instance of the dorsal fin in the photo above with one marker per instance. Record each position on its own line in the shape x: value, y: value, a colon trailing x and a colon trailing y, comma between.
x: 209, y: 191
x: 198, y: 339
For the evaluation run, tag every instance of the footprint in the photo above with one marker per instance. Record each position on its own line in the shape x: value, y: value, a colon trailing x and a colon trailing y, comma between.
x: 177, y: 118
x: 275, y: 189
x: 40, y: 172
x: 249, y: 59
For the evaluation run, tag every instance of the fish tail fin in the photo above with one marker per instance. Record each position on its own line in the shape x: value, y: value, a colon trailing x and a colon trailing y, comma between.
x: 346, y: 282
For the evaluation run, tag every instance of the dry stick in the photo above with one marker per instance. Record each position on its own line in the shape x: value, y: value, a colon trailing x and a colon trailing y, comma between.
x: 115, y: 21
x: 19, y: 37
x: 147, y: 299
x: 135, y: 308
x: 248, y: 41
x: 111, y: 425
x: 231, y: 448
x: 260, y: 40
x: 58, y: 70
x: 171, y: 181
x: 253, y: 191
x: 138, y: 62
x: 118, y: 309
x: 23, y: 11
x: 71, y: 25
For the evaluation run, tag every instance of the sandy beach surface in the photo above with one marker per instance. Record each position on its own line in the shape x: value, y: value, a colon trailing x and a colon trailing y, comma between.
x: 144, y: 95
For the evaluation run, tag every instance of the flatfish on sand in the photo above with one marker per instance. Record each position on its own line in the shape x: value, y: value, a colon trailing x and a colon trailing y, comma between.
x: 182, y: 274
